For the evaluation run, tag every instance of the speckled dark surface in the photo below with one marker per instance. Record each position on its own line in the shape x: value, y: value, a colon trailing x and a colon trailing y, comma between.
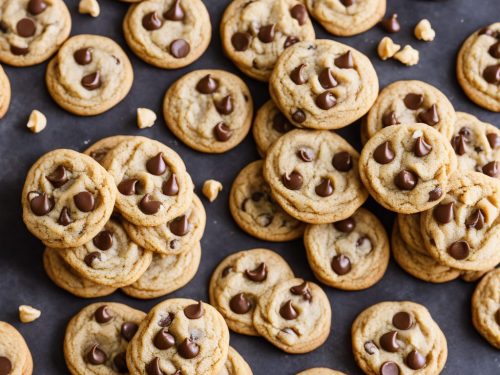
x: 23, y: 280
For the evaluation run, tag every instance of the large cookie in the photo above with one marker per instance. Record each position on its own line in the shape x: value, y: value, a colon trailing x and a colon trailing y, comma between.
x: 4, y: 92
x: 15, y: 356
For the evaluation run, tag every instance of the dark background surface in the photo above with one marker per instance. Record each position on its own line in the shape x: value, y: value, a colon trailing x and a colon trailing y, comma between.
x: 23, y: 280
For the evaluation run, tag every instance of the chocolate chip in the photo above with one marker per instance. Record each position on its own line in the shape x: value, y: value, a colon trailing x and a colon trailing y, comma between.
x: 299, y: 116
x: 406, y: 180
x: 266, y: 33
x: 466, y: 132
x: 179, y: 48
x: 103, y: 315
x: 151, y: 21
x: 290, y: 40
x: 96, y: 356
x: 287, y: 311
x: 84, y: 201
x: 163, y: 340
x: 326, y: 79
x: 128, y: 187
x: 36, y: 7
x: 194, y: 311
x: 346, y: 225
x: 41, y: 204
x: 120, y: 363
x: 148, y: 205
x: 325, y: 188
x: 240, y: 304
x: 297, y: 75
x: 153, y: 367
x: 459, y: 250
x: 179, y: 226
x: 175, y: 13
x: 347, y: 3
x: 415, y: 360
x: 166, y: 320
x: 491, y: 169
x: 341, y: 264
x: 128, y: 330
x: 305, y: 154
x: 89, y: 258
x: 342, y: 161
x: 5, y: 366
x: 207, y: 85
x: 26, y: 27
x: 421, y: 147
x: 435, y: 194
x: 225, y: 105
x: 413, y: 101
x: 92, y: 81
x: 302, y: 290
x: 389, y: 342
x: 156, y: 165
x: 459, y: 144
x: 170, y: 187
x: 493, y: 140
x: 188, y: 349
x: 258, y: 274
x: 293, y: 181
x: 19, y: 51
x: 64, y: 217
x: 475, y: 220
x: 104, y: 240
x: 226, y: 271
x: 389, y: 119
x: 494, y: 50
x: 83, y: 56
x: 222, y: 132
x: 389, y: 368
x: 281, y: 124
x: 344, y: 61
x: 240, y: 41
x: 492, y: 74
x: 370, y: 347
x: 497, y: 316
x: 429, y: 116
x: 299, y: 12
x: 391, y: 24
x: 326, y: 100
x: 383, y: 154
x: 402, y: 320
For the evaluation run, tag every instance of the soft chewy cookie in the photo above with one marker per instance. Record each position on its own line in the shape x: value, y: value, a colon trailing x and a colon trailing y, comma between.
x: 407, y: 168
x: 100, y: 149
x: 323, y: 84
x: 97, y: 337
x: 254, y: 33
x: 478, y: 67
x: 410, y: 231
x: 153, y: 185
x: 180, y: 336
x: 320, y: 371
x: 168, y: 34
x: 314, y: 176
x: 15, y: 356
x: 4, y: 92
x: 351, y: 254
x: 408, y: 102
x: 209, y: 110
x: 89, y: 75
x: 235, y: 364
x: 32, y: 30
x: 240, y: 280
x: 295, y: 316
x: 67, y: 198
x: 255, y: 211
x: 398, y: 338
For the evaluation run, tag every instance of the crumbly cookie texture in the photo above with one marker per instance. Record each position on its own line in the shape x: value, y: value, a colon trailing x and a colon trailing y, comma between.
x: 320, y: 371
x: 323, y: 84
x: 398, y: 338
x: 351, y: 254
x: 145, y: 118
x: 424, y: 31
x: 240, y: 280
x: 387, y: 48
x: 100, y: 149
x: 89, y: 75
x: 5, y: 92
x: 235, y: 364
x: 211, y: 189
x: 407, y: 168
x: 255, y: 33
x: 294, y: 315
x: 32, y: 30
x: 168, y: 34
x: 28, y: 314
x: 15, y: 356
x: 314, y: 176
x: 36, y: 122
x: 408, y: 55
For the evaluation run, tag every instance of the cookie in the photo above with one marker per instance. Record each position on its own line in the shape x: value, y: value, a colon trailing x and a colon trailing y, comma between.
x: 168, y: 34
x: 398, y: 338
x: 463, y: 230
x: 100, y: 149
x: 255, y: 211
x: 240, y: 280
x: 295, y: 316
x: 486, y: 308
x: 351, y: 254
x: 407, y: 168
x: 410, y: 232
x: 255, y: 33
x: 67, y: 198
x: 15, y: 356
x: 97, y: 337
x: 32, y: 30
x: 4, y: 92
x: 347, y: 17
x: 89, y: 75
x: 408, y: 102
x: 153, y: 185
x: 323, y: 84
x: 320, y: 371
x: 478, y: 67
x: 209, y: 110
x: 235, y: 364
x: 180, y: 335
x: 314, y: 176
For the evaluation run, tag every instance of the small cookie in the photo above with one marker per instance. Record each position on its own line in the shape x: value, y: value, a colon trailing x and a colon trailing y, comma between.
x: 320, y: 371
x: 97, y: 337
x: 168, y: 34
x: 255, y: 33
x: 32, y: 30
x: 478, y: 67
x: 15, y: 356
x: 351, y: 254
x: 407, y: 168
x: 239, y: 281
x: 209, y: 110
x: 314, y: 176
x: 235, y: 364
x: 398, y: 338
x: 256, y: 212
x: 323, y: 84
x: 180, y: 335
x: 295, y: 316
x: 67, y: 198
x: 410, y: 232
x: 100, y: 149
x: 89, y: 75
x: 408, y: 102
x: 4, y: 92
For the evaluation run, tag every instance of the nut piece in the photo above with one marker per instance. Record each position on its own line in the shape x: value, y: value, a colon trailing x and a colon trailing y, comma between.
x: 424, y: 31
x: 387, y: 48
x: 408, y: 55
x: 211, y: 189
x: 145, y: 118
x: 37, y: 121
x: 28, y: 314
x: 89, y: 7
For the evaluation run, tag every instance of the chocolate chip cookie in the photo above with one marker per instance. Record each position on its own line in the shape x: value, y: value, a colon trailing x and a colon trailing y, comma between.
x: 100, y: 149
x: 4, y: 92
x: 15, y: 356
x: 235, y: 364
x: 410, y: 231
x: 320, y: 371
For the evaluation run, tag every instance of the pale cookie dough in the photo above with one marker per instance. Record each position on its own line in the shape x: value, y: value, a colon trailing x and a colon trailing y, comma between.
x: 90, y: 7
x: 89, y: 75
x: 235, y: 364
x: 100, y: 149
x: 320, y: 371
x: 28, y: 314
x: 211, y: 189
x: 36, y: 122
x: 424, y: 31
x: 323, y: 84
x: 255, y: 33
x: 5, y: 92
x: 145, y: 118
x: 387, y: 48
x: 295, y: 316
x: 209, y: 110
x: 408, y: 55
x: 239, y: 281
x: 15, y: 356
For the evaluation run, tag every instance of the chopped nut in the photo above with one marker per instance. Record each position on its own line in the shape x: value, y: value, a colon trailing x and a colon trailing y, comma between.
x: 408, y: 55
x: 211, y: 189
x: 89, y: 7
x: 28, y: 314
x: 145, y: 118
x: 387, y: 48
x: 424, y: 31
x: 37, y: 121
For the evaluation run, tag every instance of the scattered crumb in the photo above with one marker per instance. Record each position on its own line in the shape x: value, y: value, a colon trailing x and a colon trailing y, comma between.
x: 387, y: 48
x: 424, y: 31
x: 145, y: 118
x: 211, y: 189
x: 37, y: 121
x: 28, y: 314
x: 408, y: 55
x: 89, y: 7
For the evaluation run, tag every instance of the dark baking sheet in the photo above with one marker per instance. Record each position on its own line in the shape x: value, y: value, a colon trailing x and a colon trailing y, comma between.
x: 23, y: 280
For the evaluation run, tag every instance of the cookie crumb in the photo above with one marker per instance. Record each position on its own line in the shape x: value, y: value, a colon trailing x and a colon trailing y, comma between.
x: 37, y: 121
x: 211, y: 189
x: 89, y: 7
x: 28, y: 314
x: 408, y: 55
x: 387, y: 48
x: 424, y: 31
x: 145, y: 118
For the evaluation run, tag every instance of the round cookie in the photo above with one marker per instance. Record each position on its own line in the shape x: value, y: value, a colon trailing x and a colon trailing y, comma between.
x: 347, y: 17
x: 398, y: 338
x: 4, y: 92
x: 235, y: 364
x: 323, y: 84
x: 89, y: 75
x: 209, y: 110
x: 408, y: 102
x: 97, y: 337
x: 352, y: 254
x: 314, y: 176
x: 407, y: 168
x: 180, y: 335
x: 153, y: 185
x: 320, y: 371
x: 168, y: 34
x: 486, y: 308
x: 15, y: 356
x: 256, y: 212
x: 295, y: 316
x: 478, y: 67
x: 255, y: 33
x: 240, y: 280
x: 67, y: 198
x: 410, y: 232
x: 100, y: 149
x: 32, y: 30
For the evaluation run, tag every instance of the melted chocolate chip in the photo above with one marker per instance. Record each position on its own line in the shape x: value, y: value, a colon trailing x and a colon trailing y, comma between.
x: 287, y: 311
x: 128, y: 187
x: 290, y: 40
x: 299, y: 12
x: 293, y: 181
x: 413, y: 101
x: 179, y: 48
x: 188, y: 349
x: 459, y: 250
x: 163, y: 340
x: 103, y: 315
x: 5, y: 366
x: 406, y: 180
x: 175, y: 13
x: 299, y: 116
x: 36, y: 7
x: 258, y: 274
x: 415, y: 360
x: 170, y: 187
x: 429, y: 116
x: 149, y: 206
x: 344, y: 61
x: 475, y: 220
x: 384, y: 154
x: 41, y: 204
x: 402, y: 320
x: 84, y: 201
x: 240, y: 304
x: 391, y: 24
x: 302, y: 290
x: 459, y: 144
x: 435, y: 194
x: 493, y: 140
x: 96, y: 356
x: 194, y: 311
x: 297, y: 75
x: 491, y: 169
x: 326, y: 100
x: 120, y: 363
x: 222, y: 132
x: 305, y: 154
x: 19, y: 51
x: 342, y: 161
x: 497, y: 316
x: 153, y: 367
x: 83, y: 56
x: 166, y: 320
x: 492, y: 74
x: 266, y: 33
x: 26, y: 27
x: 156, y: 165
x: 207, y: 85
x: 346, y: 225
x: 326, y: 79
x: 389, y: 119
x: 151, y: 21
x: 104, y: 240
x: 128, y: 330
x: 421, y: 147
x: 494, y: 50
x: 64, y: 217
x: 281, y: 124
x: 89, y: 258
x: 389, y: 368
x: 226, y: 271
x: 341, y: 264
x: 225, y: 105
x: 240, y: 41
x: 325, y: 188
x: 179, y: 226
x: 92, y: 81
x: 347, y: 3
x: 389, y: 342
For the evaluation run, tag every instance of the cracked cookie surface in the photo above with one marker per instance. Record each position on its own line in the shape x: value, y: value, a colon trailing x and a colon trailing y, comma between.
x: 15, y: 356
